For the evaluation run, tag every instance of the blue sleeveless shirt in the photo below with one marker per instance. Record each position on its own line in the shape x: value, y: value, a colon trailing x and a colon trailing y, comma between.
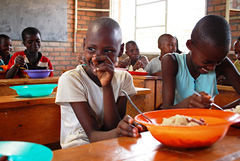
x: 185, y: 83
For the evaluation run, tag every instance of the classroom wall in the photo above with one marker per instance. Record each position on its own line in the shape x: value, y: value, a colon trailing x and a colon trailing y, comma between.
x: 61, y: 53
x: 218, y: 7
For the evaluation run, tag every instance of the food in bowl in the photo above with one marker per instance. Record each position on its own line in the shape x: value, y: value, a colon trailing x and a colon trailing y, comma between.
x: 141, y: 70
x: 38, y: 73
x: 130, y: 68
x: 235, y: 110
x: 34, y: 90
x: 217, y: 121
x: 181, y: 120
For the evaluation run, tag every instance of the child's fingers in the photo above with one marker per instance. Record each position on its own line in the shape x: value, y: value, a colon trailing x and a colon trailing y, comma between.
x: 99, y: 59
x: 127, y: 128
x: 198, y: 102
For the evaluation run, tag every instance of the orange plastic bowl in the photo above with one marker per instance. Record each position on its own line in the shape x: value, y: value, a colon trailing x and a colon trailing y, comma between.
x: 4, y: 67
x: 217, y: 121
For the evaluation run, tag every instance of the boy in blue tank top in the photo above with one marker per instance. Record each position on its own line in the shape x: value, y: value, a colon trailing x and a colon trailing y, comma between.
x: 198, y: 70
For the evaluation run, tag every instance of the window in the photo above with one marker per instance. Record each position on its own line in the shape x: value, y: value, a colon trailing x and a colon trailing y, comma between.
x: 145, y: 20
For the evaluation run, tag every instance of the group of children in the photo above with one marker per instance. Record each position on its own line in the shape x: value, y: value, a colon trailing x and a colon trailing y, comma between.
x: 93, y: 107
x: 30, y: 58
x: 92, y: 104
x: 166, y: 43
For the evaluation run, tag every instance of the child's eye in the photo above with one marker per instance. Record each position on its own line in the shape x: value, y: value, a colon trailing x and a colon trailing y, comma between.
x: 91, y: 49
x: 107, y: 51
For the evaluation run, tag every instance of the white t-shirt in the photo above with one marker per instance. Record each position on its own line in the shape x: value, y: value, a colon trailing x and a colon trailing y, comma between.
x: 153, y: 66
x: 76, y: 86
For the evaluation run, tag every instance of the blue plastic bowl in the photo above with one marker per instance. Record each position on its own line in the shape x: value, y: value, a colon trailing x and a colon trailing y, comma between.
x: 25, y: 151
x: 38, y: 73
x: 34, y: 90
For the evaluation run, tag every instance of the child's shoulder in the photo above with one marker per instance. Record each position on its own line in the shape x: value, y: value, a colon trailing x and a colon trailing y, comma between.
x: 19, y: 53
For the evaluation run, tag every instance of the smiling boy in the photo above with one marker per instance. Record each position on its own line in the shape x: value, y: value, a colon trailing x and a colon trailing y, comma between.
x: 92, y: 104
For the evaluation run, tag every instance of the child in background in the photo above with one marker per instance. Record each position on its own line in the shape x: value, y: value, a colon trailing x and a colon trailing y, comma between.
x: 5, y: 50
x: 177, y: 46
x: 92, y: 103
x: 183, y: 74
x: 166, y: 44
x: 31, y: 58
x: 236, y: 48
x: 134, y: 58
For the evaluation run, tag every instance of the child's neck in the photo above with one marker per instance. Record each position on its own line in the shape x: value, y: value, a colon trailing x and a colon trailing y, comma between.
x: 32, y: 57
x: 195, y: 74
x: 93, y: 77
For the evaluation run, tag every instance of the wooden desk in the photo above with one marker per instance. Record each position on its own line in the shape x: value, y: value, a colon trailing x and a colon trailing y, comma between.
x: 5, y: 83
x: 154, y: 100
x: 147, y: 148
x: 226, y: 95
x: 38, y: 119
x: 30, y: 119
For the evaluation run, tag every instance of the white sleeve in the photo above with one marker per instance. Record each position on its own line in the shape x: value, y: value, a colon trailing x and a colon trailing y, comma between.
x: 128, y: 85
x: 70, y: 89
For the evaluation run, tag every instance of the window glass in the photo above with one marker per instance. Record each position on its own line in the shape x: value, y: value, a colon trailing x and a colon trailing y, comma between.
x: 144, y: 14
x: 146, y: 39
x: 139, y: 2
x: 144, y: 20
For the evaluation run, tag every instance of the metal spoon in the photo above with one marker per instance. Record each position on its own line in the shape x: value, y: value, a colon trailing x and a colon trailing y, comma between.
x: 136, y: 106
x: 212, y: 104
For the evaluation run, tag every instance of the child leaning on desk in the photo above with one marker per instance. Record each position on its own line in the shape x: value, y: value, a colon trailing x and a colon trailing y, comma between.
x: 30, y: 58
x: 92, y: 104
x: 183, y: 74
x: 5, y: 50
x: 134, y: 58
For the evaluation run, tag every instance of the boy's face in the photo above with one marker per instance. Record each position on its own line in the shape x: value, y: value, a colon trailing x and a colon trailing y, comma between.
x: 5, y: 46
x: 132, y: 51
x: 32, y: 42
x: 237, y: 49
x: 205, y: 58
x: 168, y: 45
x: 101, y: 41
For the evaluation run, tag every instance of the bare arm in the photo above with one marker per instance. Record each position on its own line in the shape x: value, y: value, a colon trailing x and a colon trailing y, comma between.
x: 144, y: 60
x: 228, y: 70
x: 11, y: 73
x: 89, y: 123
x: 169, y: 72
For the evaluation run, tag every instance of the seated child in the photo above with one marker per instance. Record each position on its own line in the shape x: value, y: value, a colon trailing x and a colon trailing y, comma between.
x: 183, y: 74
x: 177, y: 46
x: 166, y: 44
x: 134, y: 58
x: 30, y: 58
x: 236, y: 48
x: 5, y: 50
x: 92, y: 104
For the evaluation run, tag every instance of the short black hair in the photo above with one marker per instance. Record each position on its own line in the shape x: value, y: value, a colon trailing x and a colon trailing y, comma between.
x: 130, y: 42
x: 30, y: 31
x: 213, y: 30
x: 2, y: 36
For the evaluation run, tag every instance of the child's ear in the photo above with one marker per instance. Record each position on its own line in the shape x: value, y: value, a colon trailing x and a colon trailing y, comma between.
x: 121, y: 50
x: 84, y: 43
x: 189, y: 44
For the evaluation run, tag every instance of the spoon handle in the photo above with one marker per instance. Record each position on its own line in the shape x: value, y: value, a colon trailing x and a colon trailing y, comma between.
x: 136, y: 106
